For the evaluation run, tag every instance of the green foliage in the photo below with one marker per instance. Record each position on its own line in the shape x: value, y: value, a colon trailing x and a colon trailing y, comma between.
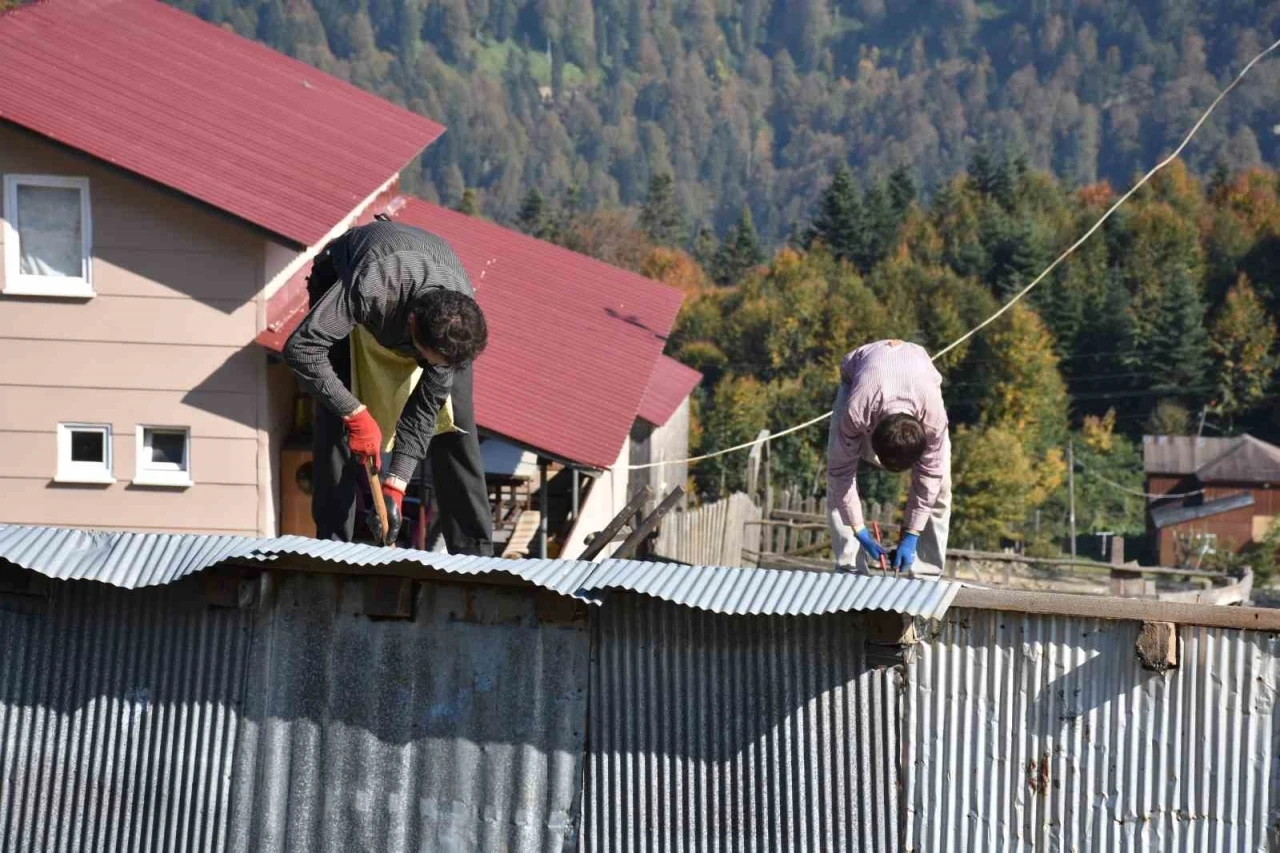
x: 995, y: 485
x: 1169, y: 417
x: 755, y: 103
x: 661, y: 218
x: 740, y: 252
x: 1243, y: 346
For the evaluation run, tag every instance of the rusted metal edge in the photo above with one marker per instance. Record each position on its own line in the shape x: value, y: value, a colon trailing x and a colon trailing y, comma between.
x: 1124, y: 609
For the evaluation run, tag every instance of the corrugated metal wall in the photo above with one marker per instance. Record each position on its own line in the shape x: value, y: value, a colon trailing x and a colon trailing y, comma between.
x: 737, y: 733
x: 147, y: 721
x: 117, y: 719
x: 462, y: 729
x: 1030, y: 732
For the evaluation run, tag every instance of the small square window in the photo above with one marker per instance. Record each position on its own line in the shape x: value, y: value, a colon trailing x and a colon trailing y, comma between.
x: 47, y: 242
x: 164, y: 456
x: 84, y: 454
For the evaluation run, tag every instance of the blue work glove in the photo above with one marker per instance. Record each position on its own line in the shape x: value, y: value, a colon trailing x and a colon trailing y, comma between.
x: 906, y: 553
x: 869, y: 544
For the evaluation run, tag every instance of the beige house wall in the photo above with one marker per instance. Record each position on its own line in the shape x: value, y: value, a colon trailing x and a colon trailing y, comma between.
x: 167, y: 339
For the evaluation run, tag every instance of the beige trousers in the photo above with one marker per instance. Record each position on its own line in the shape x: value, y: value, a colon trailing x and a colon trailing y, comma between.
x: 932, y: 548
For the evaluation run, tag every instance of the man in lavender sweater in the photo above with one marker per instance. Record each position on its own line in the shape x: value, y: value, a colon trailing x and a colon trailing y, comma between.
x: 889, y: 413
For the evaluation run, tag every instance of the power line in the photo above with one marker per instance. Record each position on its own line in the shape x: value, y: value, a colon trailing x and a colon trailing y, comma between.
x: 1021, y: 293
x: 1135, y: 492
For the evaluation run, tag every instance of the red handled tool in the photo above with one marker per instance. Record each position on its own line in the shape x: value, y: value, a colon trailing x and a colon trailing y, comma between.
x: 884, y: 561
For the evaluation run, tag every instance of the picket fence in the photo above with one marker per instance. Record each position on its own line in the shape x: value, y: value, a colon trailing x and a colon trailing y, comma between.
x: 713, y: 534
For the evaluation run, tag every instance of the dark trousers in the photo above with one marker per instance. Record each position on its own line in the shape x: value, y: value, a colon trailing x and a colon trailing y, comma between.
x: 456, y: 468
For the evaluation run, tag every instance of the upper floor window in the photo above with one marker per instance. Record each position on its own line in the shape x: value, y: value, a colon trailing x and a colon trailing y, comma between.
x: 47, y: 236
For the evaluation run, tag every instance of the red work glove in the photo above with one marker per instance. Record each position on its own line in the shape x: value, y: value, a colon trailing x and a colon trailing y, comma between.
x: 393, y: 498
x: 363, y: 436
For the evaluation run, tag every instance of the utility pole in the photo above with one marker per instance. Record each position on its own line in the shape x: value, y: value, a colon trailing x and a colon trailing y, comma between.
x: 1071, y: 488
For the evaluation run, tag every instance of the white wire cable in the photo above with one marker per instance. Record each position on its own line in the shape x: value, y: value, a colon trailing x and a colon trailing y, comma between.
x: 1020, y: 294
x: 1136, y: 492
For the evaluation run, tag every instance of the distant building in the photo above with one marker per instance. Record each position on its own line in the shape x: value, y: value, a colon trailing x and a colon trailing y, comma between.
x: 1223, y: 493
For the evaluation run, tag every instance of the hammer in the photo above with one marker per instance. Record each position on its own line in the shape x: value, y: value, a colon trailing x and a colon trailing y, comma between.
x: 379, y: 503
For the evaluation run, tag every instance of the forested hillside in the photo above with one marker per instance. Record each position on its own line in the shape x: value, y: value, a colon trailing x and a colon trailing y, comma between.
x: 757, y: 102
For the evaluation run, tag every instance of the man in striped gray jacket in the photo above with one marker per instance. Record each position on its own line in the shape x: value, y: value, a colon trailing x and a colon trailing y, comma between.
x: 408, y: 289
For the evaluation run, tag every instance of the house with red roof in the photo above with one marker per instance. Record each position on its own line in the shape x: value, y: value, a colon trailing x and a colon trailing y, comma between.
x: 165, y: 186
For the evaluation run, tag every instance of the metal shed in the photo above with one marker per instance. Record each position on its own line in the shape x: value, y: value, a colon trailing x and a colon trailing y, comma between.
x: 289, y: 695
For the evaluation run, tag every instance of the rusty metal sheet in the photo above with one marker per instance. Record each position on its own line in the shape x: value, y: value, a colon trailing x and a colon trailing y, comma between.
x: 1040, y: 732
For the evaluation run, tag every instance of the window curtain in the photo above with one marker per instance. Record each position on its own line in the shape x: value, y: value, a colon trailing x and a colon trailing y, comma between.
x: 49, y: 235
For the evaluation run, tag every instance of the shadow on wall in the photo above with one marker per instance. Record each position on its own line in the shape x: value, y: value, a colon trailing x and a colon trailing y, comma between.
x: 300, y: 725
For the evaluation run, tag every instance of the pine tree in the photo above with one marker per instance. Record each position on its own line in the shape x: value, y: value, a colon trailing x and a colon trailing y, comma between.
x: 838, y: 222
x: 1015, y: 254
x: 1178, y: 355
x: 531, y: 218
x: 739, y: 253
x: 877, y: 228
x: 704, y: 248
x: 902, y: 191
x: 661, y: 218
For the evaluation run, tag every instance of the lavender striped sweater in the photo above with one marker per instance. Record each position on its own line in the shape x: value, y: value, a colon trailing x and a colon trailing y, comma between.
x: 885, y: 378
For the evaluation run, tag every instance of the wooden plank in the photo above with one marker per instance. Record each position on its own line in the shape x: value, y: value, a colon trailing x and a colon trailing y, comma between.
x: 809, y: 517
x: 1123, y: 609
x: 604, y: 537
x: 995, y: 557
x: 629, y: 545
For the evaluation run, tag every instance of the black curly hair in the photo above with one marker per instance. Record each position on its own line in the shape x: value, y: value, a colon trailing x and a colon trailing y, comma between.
x: 452, y: 324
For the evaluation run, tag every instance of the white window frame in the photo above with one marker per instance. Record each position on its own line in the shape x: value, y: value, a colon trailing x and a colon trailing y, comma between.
x: 152, y: 474
x: 90, y: 473
x: 17, y: 284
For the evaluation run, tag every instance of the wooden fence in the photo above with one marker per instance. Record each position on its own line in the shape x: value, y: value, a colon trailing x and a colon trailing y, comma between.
x: 711, y: 535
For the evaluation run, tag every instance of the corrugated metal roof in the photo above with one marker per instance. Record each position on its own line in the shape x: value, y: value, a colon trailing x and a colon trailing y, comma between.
x: 774, y: 591
x: 738, y: 733
x: 1181, y: 454
x: 133, y: 560
x: 573, y: 342
x: 1033, y: 732
x: 1250, y: 461
x: 670, y: 384
x: 192, y: 106
x: 123, y: 559
x: 1167, y: 516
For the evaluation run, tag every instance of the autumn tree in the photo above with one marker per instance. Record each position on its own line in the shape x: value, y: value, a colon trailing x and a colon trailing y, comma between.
x: 1243, y: 346
x: 469, y: 204
x: 995, y: 486
x: 1169, y: 417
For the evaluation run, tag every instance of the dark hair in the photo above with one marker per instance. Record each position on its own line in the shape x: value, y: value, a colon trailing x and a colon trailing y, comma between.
x: 898, y: 441
x: 452, y: 324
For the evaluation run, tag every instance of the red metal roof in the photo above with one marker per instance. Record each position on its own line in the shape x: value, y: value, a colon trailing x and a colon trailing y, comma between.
x: 573, y: 342
x: 197, y: 108
x: 670, y: 384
